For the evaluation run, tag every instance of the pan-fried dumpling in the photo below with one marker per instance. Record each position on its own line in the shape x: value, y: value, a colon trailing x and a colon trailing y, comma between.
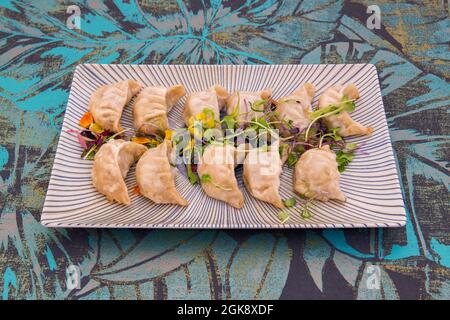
x: 108, y: 101
x: 217, y: 164
x: 245, y: 99
x: 348, y: 126
x: 296, y: 107
x: 262, y: 171
x: 152, y: 105
x: 156, y: 178
x: 111, y: 165
x: 214, y: 99
x: 317, y: 176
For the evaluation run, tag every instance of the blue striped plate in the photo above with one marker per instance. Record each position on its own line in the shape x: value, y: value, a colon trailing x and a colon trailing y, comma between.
x: 371, y: 183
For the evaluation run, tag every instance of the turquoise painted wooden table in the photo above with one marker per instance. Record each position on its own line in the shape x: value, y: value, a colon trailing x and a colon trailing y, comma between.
x: 40, y: 46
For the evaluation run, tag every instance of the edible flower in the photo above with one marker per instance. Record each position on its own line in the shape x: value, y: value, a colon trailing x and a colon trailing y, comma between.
x: 86, y: 120
x: 96, y: 128
x: 168, y: 134
x: 141, y: 140
x: 148, y: 142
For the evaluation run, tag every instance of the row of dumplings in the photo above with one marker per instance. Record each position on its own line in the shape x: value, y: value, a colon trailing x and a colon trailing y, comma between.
x: 316, y: 174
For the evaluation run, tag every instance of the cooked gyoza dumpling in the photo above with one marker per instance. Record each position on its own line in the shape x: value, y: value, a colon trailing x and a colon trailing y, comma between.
x: 245, y: 99
x: 262, y: 171
x: 111, y: 165
x: 156, y: 178
x: 216, y: 172
x: 348, y: 126
x: 296, y: 107
x: 317, y: 176
x: 108, y: 101
x: 152, y: 105
x: 214, y: 99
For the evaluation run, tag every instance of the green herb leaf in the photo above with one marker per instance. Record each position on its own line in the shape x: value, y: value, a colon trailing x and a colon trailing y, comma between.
x: 347, y: 105
x: 306, y: 214
x: 208, y: 112
x: 230, y: 121
x: 343, y: 159
x: 281, y: 149
x: 344, y: 105
x: 322, y: 111
x: 89, y: 154
x: 208, y: 178
x: 290, y: 202
x: 283, y: 216
x: 335, y: 135
x: 254, y: 106
x: 259, y: 123
x: 292, y: 159
x: 205, y: 178
x: 259, y: 102
x: 350, y: 146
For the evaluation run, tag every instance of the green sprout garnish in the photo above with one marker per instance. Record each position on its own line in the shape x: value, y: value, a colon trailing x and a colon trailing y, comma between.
x: 345, y: 156
x: 283, y: 216
x: 345, y: 105
x: 207, y: 178
x: 254, y: 106
x: 292, y: 159
x: 291, y: 202
x: 333, y: 135
x: 306, y: 214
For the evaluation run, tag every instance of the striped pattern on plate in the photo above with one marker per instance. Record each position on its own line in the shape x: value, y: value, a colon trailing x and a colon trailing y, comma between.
x: 370, y: 182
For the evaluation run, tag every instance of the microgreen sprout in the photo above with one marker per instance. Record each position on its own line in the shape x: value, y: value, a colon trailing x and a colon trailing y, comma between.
x: 283, y: 216
x: 208, y: 178
x: 291, y: 202
x: 345, y: 105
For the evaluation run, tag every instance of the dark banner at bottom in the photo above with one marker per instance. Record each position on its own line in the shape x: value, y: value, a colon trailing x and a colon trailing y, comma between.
x: 202, y: 309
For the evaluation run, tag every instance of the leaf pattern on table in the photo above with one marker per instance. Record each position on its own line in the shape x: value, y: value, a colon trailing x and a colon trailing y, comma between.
x: 38, y: 54
x: 316, y: 252
x: 257, y: 267
x: 421, y: 39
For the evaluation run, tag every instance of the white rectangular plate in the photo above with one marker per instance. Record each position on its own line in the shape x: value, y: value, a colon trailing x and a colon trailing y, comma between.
x: 374, y: 197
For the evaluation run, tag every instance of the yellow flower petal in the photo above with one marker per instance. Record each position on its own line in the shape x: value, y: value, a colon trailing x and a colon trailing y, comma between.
x: 96, y: 128
x: 200, y: 116
x: 191, y: 130
x: 141, y: 140
x: 210, y: 123
x: 168, y: 134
